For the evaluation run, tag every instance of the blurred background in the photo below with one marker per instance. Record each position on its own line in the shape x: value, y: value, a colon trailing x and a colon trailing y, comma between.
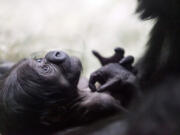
x: 30, y: 28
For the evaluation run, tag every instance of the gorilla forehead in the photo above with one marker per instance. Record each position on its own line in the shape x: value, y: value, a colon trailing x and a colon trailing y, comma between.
x: 41, y: 71
x: 30, y: 69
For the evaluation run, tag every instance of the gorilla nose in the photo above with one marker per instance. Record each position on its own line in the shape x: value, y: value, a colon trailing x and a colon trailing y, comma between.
x: 56, y: 56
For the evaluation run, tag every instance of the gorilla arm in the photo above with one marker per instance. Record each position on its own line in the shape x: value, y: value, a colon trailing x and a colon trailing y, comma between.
x: 117, y: 76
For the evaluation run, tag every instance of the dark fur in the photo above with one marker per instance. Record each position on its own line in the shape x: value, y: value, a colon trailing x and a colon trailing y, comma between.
x: 159, y: 76
x: 42, y: 96
x: 26, y: 98
x: 159, y: 71
x: 162, y: 55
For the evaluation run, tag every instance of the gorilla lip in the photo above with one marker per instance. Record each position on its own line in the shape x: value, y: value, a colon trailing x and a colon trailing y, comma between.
x: 72, y: 67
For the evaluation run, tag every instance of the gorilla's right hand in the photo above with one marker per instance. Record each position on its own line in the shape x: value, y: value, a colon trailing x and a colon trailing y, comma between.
x: 114, y: 75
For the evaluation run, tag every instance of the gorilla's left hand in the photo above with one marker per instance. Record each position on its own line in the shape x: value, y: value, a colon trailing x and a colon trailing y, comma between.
x: 114, y: 75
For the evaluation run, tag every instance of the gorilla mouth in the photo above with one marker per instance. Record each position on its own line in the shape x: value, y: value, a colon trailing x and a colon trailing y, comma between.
x: 71, y: 64
x: 76, y: 63
x: 72, y: 68
x: 75, y: 69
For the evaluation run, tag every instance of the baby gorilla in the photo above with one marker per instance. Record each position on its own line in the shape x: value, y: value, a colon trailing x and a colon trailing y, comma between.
x: 42, y: 96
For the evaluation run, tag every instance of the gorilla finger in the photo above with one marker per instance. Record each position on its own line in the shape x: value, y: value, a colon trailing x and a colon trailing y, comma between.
x: 127, y: 61
x: 118, y: 55
x: 92, y: 87
x: 108, y: 85
x: 95, y: 77
x: 119, y: 51
x: 98, y: 56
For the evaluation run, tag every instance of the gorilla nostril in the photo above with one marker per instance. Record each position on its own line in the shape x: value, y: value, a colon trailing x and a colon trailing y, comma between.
x: 60, y: 56
x: 57, y: 54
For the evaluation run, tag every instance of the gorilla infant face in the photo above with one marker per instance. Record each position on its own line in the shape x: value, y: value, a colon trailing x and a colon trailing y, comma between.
x: 58, y: 65
x: 43, y: 92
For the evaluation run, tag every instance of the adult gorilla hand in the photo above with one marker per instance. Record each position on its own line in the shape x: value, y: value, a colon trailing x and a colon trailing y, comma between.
x: 114, y: 75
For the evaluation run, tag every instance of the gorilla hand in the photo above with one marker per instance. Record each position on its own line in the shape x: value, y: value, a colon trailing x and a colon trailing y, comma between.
x: 114, y: 75
x: 118, y: 79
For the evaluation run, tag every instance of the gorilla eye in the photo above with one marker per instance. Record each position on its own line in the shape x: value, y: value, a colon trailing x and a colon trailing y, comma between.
x: 39, y: 60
